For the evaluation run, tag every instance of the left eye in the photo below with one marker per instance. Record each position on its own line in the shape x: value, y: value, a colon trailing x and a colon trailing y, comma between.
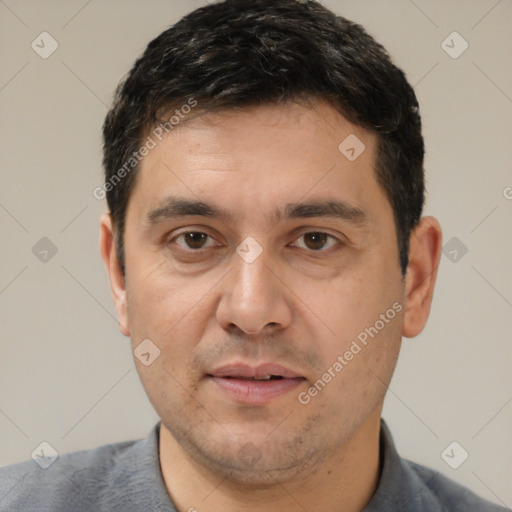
x: 317, y: 241
x: 194, y: 240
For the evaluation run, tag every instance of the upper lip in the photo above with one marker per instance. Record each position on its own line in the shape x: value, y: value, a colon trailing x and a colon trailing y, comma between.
x: 260, y: 370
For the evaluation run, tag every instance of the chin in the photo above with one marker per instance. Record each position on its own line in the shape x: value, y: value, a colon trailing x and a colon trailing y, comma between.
x: 258, y: 463
x: 264, y: 475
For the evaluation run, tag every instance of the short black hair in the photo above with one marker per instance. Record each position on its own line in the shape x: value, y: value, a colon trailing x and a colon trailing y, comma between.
x: 241, y: 53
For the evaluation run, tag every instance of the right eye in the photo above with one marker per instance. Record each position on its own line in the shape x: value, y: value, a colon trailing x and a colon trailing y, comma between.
x: 193, y: 240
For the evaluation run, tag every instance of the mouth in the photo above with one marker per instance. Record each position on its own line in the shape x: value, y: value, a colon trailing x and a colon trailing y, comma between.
x: 254, y: 385
x: 266, y: 377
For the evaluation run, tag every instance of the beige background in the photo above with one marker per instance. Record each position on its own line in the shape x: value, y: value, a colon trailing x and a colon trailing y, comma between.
x: 66, y: 373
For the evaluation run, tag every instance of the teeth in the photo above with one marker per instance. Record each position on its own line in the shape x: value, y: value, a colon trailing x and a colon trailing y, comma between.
x: 267, y: 377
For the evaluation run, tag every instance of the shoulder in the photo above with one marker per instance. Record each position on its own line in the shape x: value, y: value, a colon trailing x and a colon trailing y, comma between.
x: 120, y: 477
x: 406, y: 485
x: 450, y: 495
x: 73, y: 480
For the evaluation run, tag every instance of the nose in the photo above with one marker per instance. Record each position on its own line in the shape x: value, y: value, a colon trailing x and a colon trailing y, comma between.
x: 254, y: 299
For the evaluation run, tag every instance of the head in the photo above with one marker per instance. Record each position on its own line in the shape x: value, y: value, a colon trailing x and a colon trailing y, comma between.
x: 246, y: 53
x: 243, y: 229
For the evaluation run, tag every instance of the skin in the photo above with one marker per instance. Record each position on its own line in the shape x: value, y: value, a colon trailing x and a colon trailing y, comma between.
x: 300, y: 303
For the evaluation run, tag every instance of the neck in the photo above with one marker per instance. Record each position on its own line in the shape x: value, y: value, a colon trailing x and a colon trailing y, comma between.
x: 346, y: 480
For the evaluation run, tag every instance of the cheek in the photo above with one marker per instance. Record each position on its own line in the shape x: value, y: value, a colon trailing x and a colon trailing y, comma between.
x: 355, y: 316
x: 161, y: 299
x: 348, y: 304
x: 173, y: 315
x: 356, y: 373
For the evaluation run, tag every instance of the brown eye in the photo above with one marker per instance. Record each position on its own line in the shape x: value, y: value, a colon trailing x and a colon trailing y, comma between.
x: 192, y: 240
x: 317, y: 241
x: 195, y: 240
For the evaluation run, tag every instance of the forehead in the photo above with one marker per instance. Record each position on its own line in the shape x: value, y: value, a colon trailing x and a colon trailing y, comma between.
x: 317, y: 129
x: 260, y: 158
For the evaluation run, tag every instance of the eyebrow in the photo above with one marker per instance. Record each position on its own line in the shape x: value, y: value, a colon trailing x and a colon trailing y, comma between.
x: 175, y: 207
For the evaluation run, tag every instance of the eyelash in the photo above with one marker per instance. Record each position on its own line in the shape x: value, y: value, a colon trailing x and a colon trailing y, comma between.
x: 329, y: 237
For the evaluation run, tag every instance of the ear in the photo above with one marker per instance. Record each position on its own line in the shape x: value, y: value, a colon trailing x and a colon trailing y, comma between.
x: 424, y: 257
x: 115, y: 275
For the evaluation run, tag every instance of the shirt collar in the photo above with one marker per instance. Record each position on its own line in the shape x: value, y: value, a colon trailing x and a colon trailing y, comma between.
x: 399, y: 487
x: 143, y: 477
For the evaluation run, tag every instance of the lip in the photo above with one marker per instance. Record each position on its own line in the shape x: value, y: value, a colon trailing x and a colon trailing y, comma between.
x: 233, y: 381
x: 248, y: 371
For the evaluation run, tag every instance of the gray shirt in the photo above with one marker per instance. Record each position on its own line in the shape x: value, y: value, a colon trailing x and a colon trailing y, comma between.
x: 126, y: 477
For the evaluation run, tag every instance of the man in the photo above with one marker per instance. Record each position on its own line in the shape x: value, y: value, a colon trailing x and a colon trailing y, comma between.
x: 266, y: 254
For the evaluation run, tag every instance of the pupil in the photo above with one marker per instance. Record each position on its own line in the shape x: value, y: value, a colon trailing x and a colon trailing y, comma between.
x: 195, y: 240
x: 318, y: 240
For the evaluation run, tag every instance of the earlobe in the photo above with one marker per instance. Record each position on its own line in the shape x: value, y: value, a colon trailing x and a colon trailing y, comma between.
x: 115, y: 274
x: 424, y: 257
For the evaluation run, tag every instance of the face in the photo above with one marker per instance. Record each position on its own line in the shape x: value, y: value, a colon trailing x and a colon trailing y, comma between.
x: 255, y: 247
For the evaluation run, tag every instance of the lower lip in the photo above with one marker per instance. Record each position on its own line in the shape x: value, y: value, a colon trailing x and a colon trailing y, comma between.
x: 255, y: 392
